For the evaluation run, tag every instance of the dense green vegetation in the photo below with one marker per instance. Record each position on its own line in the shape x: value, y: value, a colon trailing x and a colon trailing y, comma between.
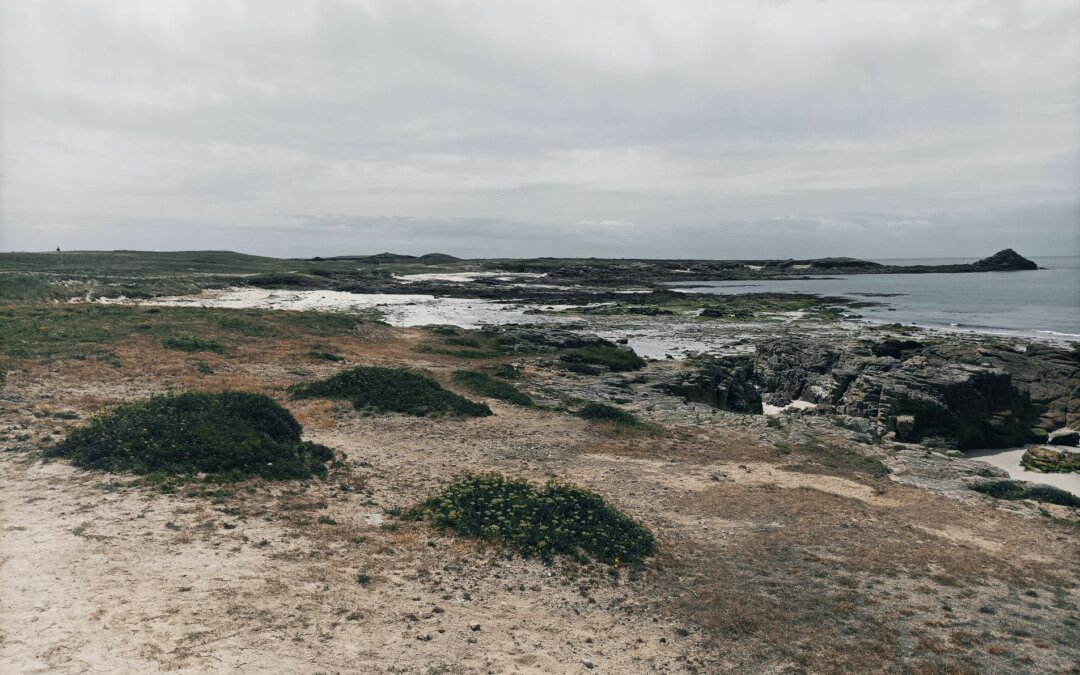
x: 606, y: 355
x: 1014, y: 489
x: 463, y: 344
x: 86, y: 330
x: 386, y: 390
x: 485, y: 385
x: 554, y: 519
x: 229, y: 435
x: 601, y: 412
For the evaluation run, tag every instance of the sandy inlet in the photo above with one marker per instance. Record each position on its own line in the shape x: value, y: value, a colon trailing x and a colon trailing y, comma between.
x: 1009, y: 460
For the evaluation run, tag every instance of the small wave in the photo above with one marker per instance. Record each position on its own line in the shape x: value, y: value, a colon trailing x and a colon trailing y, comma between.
x: 1058, y: 334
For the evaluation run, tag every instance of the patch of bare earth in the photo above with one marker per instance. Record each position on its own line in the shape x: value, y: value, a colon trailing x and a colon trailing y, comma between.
x: 765, y: 567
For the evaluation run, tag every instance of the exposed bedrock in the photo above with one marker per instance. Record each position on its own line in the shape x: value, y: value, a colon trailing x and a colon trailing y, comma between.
x: 726, y: 383
x: 966, y: 395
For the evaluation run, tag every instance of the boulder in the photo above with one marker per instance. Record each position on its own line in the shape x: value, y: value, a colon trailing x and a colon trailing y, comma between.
x: 1049, y: 460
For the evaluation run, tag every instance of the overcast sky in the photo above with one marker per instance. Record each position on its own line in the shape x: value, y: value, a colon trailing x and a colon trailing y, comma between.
x: 659, y: 128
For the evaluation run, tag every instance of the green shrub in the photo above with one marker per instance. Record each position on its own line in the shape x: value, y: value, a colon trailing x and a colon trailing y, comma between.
x: 461, y: 342
x: 1014, y: 489
x: 600, y: 412
x: 872, y: 466
x: 230, y: 435
x: 391, y: 390
x: 554, y: 519
x: 187, y: 343
x: 485, y: 385
x: 605, y: 355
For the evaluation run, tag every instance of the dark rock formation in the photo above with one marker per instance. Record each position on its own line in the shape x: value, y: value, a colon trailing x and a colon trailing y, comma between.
x: 895, y: 348
x: 1049, y: 375
x: 966, y: 395
x: 721, y: 382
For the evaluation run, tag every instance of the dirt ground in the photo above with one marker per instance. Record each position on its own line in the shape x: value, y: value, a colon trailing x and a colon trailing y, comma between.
x: 766, y: 564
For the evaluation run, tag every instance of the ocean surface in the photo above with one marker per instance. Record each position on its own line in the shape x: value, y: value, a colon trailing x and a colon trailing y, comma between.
x: 1041, y: 303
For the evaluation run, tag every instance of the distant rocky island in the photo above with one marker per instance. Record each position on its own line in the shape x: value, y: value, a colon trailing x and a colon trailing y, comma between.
x: 638, y: 270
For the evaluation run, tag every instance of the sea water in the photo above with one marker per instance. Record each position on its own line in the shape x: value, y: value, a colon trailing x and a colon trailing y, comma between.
x: 1042, y: 303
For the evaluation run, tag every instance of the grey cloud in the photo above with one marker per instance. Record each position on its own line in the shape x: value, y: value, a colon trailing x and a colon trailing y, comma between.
x: 841, y: 127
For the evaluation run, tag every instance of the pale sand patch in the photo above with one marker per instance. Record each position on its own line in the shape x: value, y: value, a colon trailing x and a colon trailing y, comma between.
x: 794, y: 405
x: 398, y: 310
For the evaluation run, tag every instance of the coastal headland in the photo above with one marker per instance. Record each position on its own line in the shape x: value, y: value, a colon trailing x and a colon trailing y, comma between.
x: 816, y: 490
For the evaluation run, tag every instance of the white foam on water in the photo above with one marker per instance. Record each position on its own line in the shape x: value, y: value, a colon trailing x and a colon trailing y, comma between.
x: 464, y: 277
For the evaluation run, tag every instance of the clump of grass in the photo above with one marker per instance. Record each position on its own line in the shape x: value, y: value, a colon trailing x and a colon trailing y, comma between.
x: 229, y: 435
x: 548, y: 521
x: 601, y: 412
x: 485, y: 385
x: 317, y: 355
x: 204, y: 368
x: 456, y: 341
x: 607, y: 356
x: 391, y: 390
x: 1014, y: 489
x: 187, y: 343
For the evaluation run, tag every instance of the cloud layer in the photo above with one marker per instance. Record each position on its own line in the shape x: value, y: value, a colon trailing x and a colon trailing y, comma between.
x: 644, y: 128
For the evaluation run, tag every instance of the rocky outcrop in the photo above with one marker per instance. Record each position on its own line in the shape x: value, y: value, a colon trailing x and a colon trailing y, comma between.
x: 1050, y: 376
x: 726, y: 383
x: 966, y: 406
x: 787, y: 371
x: 917, y: 393
x: 1007, y: 260
x: 1048, y: 460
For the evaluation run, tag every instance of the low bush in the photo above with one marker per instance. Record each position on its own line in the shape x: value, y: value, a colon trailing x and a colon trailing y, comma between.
x: 187, y: 343
x: 1014, y: 489
x: 391, y: 390
x: 607, y: 356
x: 229, y: 435
x: 554, y: 519
x: 485, y: 385
x: 600, y: 412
